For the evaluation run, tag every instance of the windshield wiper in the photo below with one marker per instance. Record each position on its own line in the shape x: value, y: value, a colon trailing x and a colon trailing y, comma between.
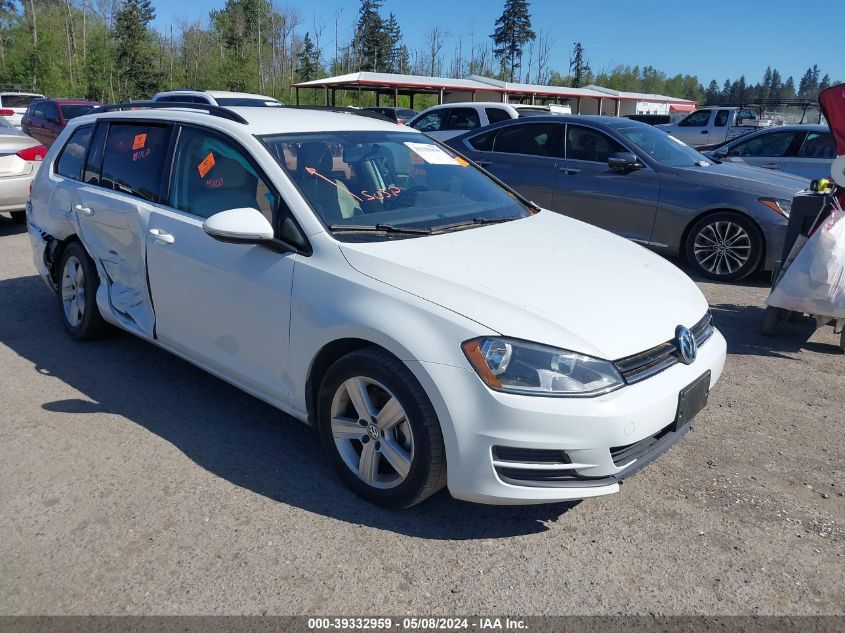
x: 379, y: 228
x: 468, y: 223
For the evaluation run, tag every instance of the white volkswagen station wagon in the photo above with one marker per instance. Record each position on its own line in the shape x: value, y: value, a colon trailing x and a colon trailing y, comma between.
x: 434, y: 326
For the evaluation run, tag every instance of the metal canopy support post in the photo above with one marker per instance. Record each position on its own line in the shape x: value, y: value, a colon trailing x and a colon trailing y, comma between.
x: 578, y: 106
x: 473, y: 95
x: 601, y: 102
x: 411, y: 95
x: 297, y: 95
x: 395, y: 97
x: 440, y: 97
x: 325, y: 96
x: 618, y: 106
x: 334, y: 97
x: 378, y: 96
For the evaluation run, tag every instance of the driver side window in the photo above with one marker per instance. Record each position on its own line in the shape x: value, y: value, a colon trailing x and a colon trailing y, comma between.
x: 431, y: 122
x: 773, y: 145
x: 212, y: 175
x: 590, y: 145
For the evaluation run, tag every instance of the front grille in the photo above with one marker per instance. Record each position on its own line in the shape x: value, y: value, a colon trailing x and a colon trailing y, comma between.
x: 652, y: 361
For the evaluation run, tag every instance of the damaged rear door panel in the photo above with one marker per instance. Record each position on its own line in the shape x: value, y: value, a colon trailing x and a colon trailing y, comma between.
x: 113, y: 212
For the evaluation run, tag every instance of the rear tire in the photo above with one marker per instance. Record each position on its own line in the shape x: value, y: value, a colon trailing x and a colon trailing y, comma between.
x: 78, y: 283
x: 724, y: 246
x: 18, y: 217
x: 380, y: 430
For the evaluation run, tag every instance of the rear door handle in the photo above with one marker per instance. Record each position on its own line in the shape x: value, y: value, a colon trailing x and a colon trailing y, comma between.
x: 483, y: 163
x: 569, y: 171
x: 162, y: 236
x: 705, y: 131
x: 772, y: 166
x: 84, y: 210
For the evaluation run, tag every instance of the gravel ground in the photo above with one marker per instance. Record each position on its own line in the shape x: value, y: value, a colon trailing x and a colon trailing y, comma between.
x: 132, y: 482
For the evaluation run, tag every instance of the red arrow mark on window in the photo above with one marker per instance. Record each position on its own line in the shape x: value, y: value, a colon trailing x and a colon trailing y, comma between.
x: 314, y: 172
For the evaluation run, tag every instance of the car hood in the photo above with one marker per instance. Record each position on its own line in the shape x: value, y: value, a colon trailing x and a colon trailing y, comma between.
x: 755, y: 180
x: 545, y: 278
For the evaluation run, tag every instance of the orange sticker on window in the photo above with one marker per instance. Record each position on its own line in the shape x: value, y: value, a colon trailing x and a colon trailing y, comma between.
x: 140, y: 141
x: 205, y: 166
x: 461, y: 161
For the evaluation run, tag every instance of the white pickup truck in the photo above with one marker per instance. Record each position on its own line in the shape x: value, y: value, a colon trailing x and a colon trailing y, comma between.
x: 714, y: 125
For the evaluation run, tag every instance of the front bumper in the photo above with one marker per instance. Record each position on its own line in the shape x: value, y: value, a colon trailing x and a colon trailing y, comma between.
x: 590, y: 432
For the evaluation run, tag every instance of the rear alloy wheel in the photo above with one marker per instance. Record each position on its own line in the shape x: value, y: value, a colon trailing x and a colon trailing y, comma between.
x: 724, y: 246
x: 380, y: 430
x: 78, y: 284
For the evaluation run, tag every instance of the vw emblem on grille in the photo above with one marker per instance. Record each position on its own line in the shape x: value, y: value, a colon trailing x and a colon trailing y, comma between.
x: 685, y: 342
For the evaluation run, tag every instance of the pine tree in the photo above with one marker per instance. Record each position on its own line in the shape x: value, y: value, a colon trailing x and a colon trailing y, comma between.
x: 767, y: 82
x: 578, y: 68
x: 775, y: 86
x: 789, y: 88
x: 135, y: 54
x: 371, y: 37
x: 393, y: 44
x: 307, y: 60
x: 824, y: 84
x: 513, y: 32
x: 712, y: 94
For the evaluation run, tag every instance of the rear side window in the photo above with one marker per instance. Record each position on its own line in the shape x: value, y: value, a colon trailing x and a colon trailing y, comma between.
x: 462, y: 119
x: 133, y: 159
x: 91, y: 173
x: 767, y: 145
x: 72, y: 157
x: 51, y: 113
x: 17, y: 100
x: 533, y: 139
x: 700, y: 118
x: 483, y: 142
x: 721, y: 118
x: 495, y: 115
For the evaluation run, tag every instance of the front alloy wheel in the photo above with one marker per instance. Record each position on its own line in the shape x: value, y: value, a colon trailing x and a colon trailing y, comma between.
x: 380, y: 430
x: 372, y: 433
x: 724, y: 246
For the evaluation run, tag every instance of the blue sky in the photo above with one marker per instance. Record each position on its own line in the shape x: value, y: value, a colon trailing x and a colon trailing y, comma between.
x: 709, y: 39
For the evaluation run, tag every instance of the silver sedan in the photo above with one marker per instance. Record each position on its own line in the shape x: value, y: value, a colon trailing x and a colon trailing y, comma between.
x: 20, y: 157
x: 804, y: 150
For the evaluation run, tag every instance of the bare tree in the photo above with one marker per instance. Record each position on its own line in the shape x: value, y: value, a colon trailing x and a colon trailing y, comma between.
x: 435, y: 39
x: 545, y: 42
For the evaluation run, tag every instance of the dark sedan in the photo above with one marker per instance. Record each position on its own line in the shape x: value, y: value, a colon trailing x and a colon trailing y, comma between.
x: 726, y: 220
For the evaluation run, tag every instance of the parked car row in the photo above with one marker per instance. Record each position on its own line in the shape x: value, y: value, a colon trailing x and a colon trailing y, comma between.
x: 419, y: 303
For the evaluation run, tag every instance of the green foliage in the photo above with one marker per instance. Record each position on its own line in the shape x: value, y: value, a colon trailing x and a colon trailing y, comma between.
x: 134, y: 49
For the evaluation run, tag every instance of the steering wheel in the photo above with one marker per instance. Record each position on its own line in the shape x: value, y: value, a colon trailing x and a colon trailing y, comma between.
x: 406, y: 195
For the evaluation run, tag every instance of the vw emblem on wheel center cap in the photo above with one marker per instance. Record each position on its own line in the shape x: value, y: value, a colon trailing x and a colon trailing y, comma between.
x: 685, y: 342
x: 372, y: 431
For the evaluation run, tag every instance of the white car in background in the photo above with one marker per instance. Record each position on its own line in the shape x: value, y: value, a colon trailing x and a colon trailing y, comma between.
x: 13, y: 105
x: 451, y: 119
x: 363, y: 279
x: 220, y: 98
x: 20, y: 158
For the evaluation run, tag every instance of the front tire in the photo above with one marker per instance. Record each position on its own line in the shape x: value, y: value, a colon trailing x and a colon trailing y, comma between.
x: 380, y: 430
x: 724, y: 246
x: 78, y: 283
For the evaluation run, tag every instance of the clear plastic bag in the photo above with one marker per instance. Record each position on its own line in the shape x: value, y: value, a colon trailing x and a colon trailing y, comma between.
x: 815, y: 282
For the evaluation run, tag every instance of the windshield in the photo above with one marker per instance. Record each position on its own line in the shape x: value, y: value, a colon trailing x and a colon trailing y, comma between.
x: 74, y: 110
x: 366, y: 180
x: 245, y: 101
x: 663, y: 148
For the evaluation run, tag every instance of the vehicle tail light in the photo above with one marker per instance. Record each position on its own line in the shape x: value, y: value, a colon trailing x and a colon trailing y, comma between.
x: 34, y: 153
x: 6, y: 112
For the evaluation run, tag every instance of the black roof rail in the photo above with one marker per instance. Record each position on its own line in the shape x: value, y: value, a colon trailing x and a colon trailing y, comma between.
x: 223, y: 113
x: 342, y: 110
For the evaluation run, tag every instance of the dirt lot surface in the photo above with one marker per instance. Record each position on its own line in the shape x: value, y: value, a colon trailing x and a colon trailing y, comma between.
x: 132, y: 482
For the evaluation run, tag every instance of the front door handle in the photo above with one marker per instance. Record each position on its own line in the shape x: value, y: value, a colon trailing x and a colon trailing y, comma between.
x: 483, y: 163
x: 162, y: 236
x: 569, y: 171
x: 84, y: 210
x: 772, y: 166
x: 705, y: 131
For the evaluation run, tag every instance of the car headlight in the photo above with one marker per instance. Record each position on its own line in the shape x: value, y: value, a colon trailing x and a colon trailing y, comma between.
x: 521, y: 367
x: 778, y: 205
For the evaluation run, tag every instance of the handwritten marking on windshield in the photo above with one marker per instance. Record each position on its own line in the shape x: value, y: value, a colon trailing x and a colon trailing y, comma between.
x: 314, y: 172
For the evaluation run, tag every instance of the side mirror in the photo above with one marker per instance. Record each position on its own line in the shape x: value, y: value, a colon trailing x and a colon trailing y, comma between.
x: 239, y: 226
x: 624, y: 162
